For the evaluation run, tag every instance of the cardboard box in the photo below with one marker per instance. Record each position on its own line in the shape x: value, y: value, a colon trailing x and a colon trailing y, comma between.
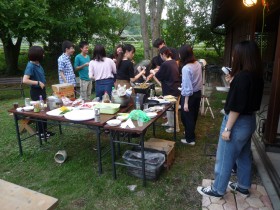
x: 163, y: 145
x: 65, y: 87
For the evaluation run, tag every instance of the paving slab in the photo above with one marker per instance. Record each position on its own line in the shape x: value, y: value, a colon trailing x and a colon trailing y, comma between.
x: 258, y: 199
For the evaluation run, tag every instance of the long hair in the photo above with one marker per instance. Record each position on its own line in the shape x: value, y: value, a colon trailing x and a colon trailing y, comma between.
x: 115, y: 55
x: 126, y: 48
x: 247, y: 57
x: 186, y: 54
x: 166, y: 51
x: 99, y: 53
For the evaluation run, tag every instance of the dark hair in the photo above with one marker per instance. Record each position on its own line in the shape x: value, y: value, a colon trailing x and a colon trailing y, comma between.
x: 36, y: 53
x: 115, y: 55
x: 166, y: 51
x: 82, y: 44
x: 158, y: 42
x: 247, y: 57
x: 66, y: 45
x: 126, y: 48
x: 99, y: 52
x: 186, y: 54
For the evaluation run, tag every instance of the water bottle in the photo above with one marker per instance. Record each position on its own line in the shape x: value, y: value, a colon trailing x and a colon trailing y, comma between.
x: 137, y: 102
x: 42, y: 104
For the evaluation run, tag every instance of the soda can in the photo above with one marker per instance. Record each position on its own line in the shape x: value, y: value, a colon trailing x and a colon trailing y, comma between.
x: 97, y: 115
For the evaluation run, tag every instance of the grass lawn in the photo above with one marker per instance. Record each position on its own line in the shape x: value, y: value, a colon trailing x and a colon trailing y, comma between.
x: 76, y: 182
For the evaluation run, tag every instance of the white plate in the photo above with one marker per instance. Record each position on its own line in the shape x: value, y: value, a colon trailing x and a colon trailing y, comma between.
x: 80, y: 115
x: 28, y: 108
x: 114, y: 122
x: 223, y: 89
x: 151, y: 114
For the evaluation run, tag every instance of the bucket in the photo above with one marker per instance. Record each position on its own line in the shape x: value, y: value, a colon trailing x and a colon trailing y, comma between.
x: 60, y: 156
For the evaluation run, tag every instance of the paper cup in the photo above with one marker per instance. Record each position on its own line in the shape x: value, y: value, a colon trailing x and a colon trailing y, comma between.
x: 60, y: 156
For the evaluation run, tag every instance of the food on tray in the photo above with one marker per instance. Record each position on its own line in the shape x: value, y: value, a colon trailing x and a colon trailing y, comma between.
x: 77, y: 102
x: 64, y: 110
x: 168, y: 97
x: 142, y: 86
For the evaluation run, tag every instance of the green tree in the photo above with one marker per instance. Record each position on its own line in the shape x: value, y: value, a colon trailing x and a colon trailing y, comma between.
x: 201, y: 25
x: 175, y: 31
x: 19, y: 19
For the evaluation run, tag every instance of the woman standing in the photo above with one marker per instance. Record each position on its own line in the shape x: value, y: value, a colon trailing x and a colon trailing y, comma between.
x: 239, y: 123
x: 34, y: 75
x: 125, y: 70
x: 102, y: 69
x: 168, y: 75
x: 190, y: 93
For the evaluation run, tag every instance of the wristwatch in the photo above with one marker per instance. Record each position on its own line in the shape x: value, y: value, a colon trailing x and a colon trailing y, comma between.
x: 227, y: 129
x: 38, y: 83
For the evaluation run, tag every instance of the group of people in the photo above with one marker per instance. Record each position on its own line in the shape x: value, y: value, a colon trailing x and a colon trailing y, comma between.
x: 243, y: 99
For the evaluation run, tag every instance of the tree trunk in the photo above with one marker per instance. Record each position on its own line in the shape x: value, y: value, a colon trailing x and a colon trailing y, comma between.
x: 144, y: 28
x: 156, y: 7
x: 11, y: 53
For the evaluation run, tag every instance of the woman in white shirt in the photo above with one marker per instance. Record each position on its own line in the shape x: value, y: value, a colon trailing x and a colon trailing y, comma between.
x: 102, y: 70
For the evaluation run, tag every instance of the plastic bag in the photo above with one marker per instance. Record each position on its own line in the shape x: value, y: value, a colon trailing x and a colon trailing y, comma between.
x: 139, y: 114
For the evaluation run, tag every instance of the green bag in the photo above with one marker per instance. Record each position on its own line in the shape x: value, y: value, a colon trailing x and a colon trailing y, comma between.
x: 136, y: 114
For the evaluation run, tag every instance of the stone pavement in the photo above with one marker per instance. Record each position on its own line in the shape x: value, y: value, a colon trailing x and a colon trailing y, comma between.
x: 258, y: 200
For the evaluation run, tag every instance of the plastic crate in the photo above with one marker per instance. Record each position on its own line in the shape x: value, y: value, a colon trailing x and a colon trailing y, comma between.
x: 153, y: 163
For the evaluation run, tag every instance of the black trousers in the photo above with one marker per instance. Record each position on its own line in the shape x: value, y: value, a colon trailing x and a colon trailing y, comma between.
x: 34, y: 94
x: 189, y: 118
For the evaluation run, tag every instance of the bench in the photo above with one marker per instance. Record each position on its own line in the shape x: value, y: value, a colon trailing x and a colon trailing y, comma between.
x: 6, y: 82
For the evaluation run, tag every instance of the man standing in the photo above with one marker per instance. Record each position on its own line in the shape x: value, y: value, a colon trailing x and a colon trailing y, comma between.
x: 81, y: 65
x: 65, y: 68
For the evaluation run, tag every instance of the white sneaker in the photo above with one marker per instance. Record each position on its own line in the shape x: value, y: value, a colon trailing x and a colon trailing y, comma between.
x: 184, y: 141
x: 171, y: 130
x: 165, y: 124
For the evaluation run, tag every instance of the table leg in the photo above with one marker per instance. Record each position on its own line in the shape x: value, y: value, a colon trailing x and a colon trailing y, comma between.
x: 60, y: 129
x: 97, y: 130
x: 113, y: 154
x: 18, y: 135
x: 143, y: 159
x: 175, y: 113
x: 39, y: 137
x: 154, y: 130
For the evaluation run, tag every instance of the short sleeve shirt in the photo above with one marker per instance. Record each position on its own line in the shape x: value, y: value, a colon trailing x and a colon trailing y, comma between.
x: 125, y: 70
x: 79, y: 61
x: 64, y: 65
x: 35, y: 72
x: 245, y: 93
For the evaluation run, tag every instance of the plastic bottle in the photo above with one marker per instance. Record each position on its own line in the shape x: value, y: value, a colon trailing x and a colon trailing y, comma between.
x: 137, y: 102
x: 128, y: 91
x: 114, y: 92
x: 42, y: 104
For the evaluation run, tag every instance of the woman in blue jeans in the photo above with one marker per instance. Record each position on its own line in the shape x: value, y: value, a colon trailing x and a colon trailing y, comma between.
x: 239, y: 123
x: 102, y: 69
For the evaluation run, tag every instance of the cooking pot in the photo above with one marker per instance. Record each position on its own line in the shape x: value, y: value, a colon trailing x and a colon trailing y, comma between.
x: 54, y: 102
x: 122, y: 100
